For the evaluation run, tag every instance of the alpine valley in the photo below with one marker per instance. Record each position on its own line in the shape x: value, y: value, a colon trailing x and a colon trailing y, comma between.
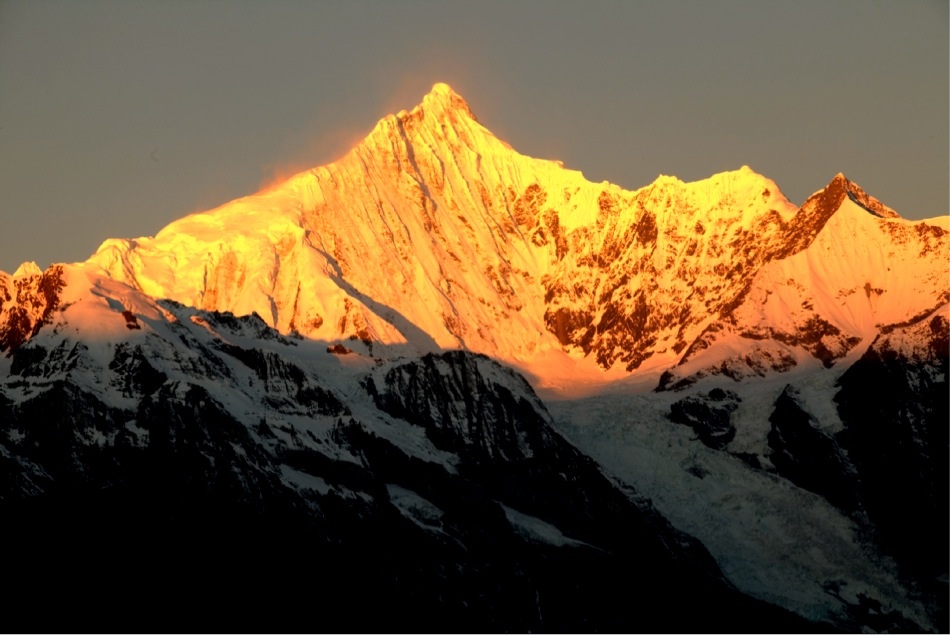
x: 437, y: 385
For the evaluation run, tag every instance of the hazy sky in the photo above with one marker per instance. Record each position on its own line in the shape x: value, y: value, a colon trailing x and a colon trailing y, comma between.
x: 119, y: 117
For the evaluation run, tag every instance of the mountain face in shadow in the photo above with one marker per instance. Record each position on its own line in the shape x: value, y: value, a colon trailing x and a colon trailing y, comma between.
x: 214, y: 467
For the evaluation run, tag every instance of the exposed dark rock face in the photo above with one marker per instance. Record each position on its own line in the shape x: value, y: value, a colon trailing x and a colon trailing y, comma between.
x: 894, y: 404
x: 461, y: 409
x: 813, y: 215
x: 708, y: 415
x: 467, y: 406
x: 29, y: 307
x: 807, y: 456
x: 136, y: 375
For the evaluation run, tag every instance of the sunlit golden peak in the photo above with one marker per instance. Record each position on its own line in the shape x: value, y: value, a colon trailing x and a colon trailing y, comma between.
x: 441, y: 88
x: 442, y: 96
x: 847, y: 187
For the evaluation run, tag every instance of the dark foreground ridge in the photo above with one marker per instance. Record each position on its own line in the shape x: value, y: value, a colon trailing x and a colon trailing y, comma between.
x: 462, y: 511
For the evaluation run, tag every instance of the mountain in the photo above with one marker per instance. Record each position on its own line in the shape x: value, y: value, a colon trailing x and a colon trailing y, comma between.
x: 325, y: 367
x: 432, y: 231
x: 156, y: 456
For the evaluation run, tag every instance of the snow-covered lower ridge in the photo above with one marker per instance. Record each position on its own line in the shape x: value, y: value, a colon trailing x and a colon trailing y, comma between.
x: 773, y: 539
x: 210, y: 445
x: 433, y: 234
x: 774, y: 476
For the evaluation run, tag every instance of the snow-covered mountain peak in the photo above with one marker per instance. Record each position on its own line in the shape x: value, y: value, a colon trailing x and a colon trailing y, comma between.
x: 443, y: 97
x: 841, y: 187
x: 442, y: 125
x: 850, y: 269
x: 28, y: 268
x: 724, y: 197
x: 434, y: 234
x: 774, y: 376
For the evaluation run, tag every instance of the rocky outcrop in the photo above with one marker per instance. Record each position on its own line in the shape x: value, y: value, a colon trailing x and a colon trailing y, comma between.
x: 708, y: 415
x: 466, y: 405
x: 894, y: 404
x: 26, y: 303
x: 807, y: 456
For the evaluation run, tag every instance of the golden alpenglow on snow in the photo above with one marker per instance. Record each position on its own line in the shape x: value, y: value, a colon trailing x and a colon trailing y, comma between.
x: 439, y: 386
x: 434, y: 234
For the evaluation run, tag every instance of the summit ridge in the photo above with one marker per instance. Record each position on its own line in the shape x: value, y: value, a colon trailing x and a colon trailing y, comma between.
x: 432, y: 233
x: 443, y: 95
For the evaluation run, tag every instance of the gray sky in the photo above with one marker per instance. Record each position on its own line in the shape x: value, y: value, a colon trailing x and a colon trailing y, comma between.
x: 119, y: 117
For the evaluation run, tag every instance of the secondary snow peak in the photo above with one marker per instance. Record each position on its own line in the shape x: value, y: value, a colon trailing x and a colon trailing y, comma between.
x: 28, y: 268
x: 842, y: 187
